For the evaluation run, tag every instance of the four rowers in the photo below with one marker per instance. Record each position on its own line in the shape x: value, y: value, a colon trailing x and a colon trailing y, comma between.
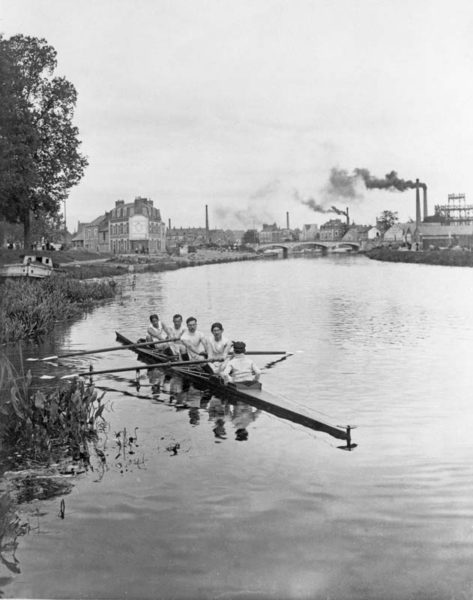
x: 189, y: 343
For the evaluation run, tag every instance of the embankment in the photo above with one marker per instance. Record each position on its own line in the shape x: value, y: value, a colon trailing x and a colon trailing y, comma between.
x: 29, y: 307
x: 449, y: 258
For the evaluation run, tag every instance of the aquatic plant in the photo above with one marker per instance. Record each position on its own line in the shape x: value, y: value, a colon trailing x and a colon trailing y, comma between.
x: 29, y: 308
x: 39, y: 426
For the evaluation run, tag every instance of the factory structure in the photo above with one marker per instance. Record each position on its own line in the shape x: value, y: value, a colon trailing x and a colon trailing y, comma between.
x: 450, y: 225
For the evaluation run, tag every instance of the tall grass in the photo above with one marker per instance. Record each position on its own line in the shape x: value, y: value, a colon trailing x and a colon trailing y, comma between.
x: 29, y: 308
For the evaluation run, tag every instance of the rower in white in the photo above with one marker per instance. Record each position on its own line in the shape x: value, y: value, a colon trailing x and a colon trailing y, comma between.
x: 194, y: 341
x: 218, y: 347
x: 156, y: 331
x: 240, y: 368
x: 175, y: 332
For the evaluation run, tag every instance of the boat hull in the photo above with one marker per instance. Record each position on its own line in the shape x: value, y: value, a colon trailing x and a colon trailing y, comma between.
x: 255, y: 396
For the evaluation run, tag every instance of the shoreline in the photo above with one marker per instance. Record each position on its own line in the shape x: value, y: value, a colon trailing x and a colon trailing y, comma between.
x: 445, y: 258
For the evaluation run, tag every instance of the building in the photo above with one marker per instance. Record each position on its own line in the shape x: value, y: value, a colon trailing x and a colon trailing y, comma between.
x: 399, y: 233
x: 271, y: 234
x: 333, y: 230
x: 450, y: 225
x: 77, y: 240
x: 92, y: 239
x: 357, y: 234
x: 136, y: 227
x: 310, y: 232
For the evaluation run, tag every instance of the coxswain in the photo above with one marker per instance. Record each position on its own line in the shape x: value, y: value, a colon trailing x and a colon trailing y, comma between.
x: 194, y: 341
x: 240, y: 368
x: 218, y: 347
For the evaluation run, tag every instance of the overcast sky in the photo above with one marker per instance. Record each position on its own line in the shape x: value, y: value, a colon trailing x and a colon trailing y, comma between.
x: 239, y: 104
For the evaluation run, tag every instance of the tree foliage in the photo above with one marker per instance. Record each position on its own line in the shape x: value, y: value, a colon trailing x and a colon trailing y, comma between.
x: 39, y: 145
x: 387, y: 219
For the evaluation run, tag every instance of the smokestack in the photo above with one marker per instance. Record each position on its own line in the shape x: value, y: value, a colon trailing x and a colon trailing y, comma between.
x: 169, y: 223
x: 287, y: 220
x: 206, y: 218
x: 348, y: 217
x: 425, y: 202
x: 418, y: 216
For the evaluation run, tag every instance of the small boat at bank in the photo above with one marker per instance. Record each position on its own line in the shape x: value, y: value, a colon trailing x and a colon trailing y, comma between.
x: 253, y: 395
x: 35, y: 266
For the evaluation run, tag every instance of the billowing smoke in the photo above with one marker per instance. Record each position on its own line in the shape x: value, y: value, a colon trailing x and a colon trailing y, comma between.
x: 316, y: 207
x: 262, y: 207
x: 344, y: 186
x: 347, y: 185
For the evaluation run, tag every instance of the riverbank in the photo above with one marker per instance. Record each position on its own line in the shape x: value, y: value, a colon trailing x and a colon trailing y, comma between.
x: 451, y: 258
x: 29, y: 307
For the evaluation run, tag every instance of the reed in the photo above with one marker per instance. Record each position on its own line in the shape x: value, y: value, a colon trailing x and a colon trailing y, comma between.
x: 30, y: 308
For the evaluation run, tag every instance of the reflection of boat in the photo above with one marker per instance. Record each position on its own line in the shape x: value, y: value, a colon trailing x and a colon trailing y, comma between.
x: 251, y: 394
x: 32, y: 266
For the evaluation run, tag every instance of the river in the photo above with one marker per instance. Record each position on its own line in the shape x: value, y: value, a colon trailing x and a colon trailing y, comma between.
x: 284, y: 513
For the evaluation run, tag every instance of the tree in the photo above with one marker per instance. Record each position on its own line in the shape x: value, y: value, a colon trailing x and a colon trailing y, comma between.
x: 39, y: 146
x: 386, y: 220
x: 250, y: 237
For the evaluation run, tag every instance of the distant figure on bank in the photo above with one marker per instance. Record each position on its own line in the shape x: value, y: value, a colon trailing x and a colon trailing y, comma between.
x: 240, y: 368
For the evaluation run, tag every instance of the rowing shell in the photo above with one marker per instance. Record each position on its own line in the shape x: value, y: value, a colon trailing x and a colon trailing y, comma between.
x: 258, y: 398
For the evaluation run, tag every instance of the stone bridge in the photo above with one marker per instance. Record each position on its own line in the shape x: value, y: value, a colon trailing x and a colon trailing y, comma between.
x: 292, y: 247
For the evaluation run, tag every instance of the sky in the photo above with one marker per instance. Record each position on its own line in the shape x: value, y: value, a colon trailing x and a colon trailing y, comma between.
x: 247, y: 105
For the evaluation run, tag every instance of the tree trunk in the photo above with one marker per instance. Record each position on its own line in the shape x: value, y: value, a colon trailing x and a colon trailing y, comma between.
x: 27, y: 230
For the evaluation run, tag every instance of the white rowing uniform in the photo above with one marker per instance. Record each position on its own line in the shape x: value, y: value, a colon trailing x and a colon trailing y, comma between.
x: 195, y: 343
x: 218, y: 350
x: 157, y: 333
x: 241, y: 368
x: 175, y: 333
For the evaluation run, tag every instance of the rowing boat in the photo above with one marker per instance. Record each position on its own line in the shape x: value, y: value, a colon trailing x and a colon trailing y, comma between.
x: 252, y: 395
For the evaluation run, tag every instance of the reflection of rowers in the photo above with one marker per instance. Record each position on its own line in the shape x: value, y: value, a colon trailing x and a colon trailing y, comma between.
x: 240, y: 368
x: 243, y: 415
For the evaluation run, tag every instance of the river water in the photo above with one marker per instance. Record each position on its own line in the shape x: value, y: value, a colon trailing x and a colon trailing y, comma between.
x: 285, y: 513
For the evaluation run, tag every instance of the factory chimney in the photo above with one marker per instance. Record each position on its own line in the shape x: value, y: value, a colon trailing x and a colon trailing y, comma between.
x: 287, y: 220
x: 169, y: 223
x: 425, y: 202
x: 348, y: 218
x: 418, y: 217
x: 206, y: 218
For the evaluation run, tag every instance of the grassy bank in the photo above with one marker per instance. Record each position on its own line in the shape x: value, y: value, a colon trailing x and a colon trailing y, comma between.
x: 451, y: 258
x: 30, y: 308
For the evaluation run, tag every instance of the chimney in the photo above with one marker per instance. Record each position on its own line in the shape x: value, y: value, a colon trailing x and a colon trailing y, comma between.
x: 206, y: 218
x: 287, y: 220
x: 426, y: 212
x: 169, y: 223
x: 348, y: 218
x: 418, y: 217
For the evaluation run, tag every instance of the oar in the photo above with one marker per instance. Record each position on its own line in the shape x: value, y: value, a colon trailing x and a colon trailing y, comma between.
x: 173, y: 363
x: 264, y: 352
x: 98, y: 350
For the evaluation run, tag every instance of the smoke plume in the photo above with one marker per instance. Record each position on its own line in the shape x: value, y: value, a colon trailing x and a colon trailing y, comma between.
x: 313, y: 205
x: 344, y: 186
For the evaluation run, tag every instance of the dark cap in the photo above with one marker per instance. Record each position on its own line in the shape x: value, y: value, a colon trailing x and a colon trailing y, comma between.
x: 239, y: 346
